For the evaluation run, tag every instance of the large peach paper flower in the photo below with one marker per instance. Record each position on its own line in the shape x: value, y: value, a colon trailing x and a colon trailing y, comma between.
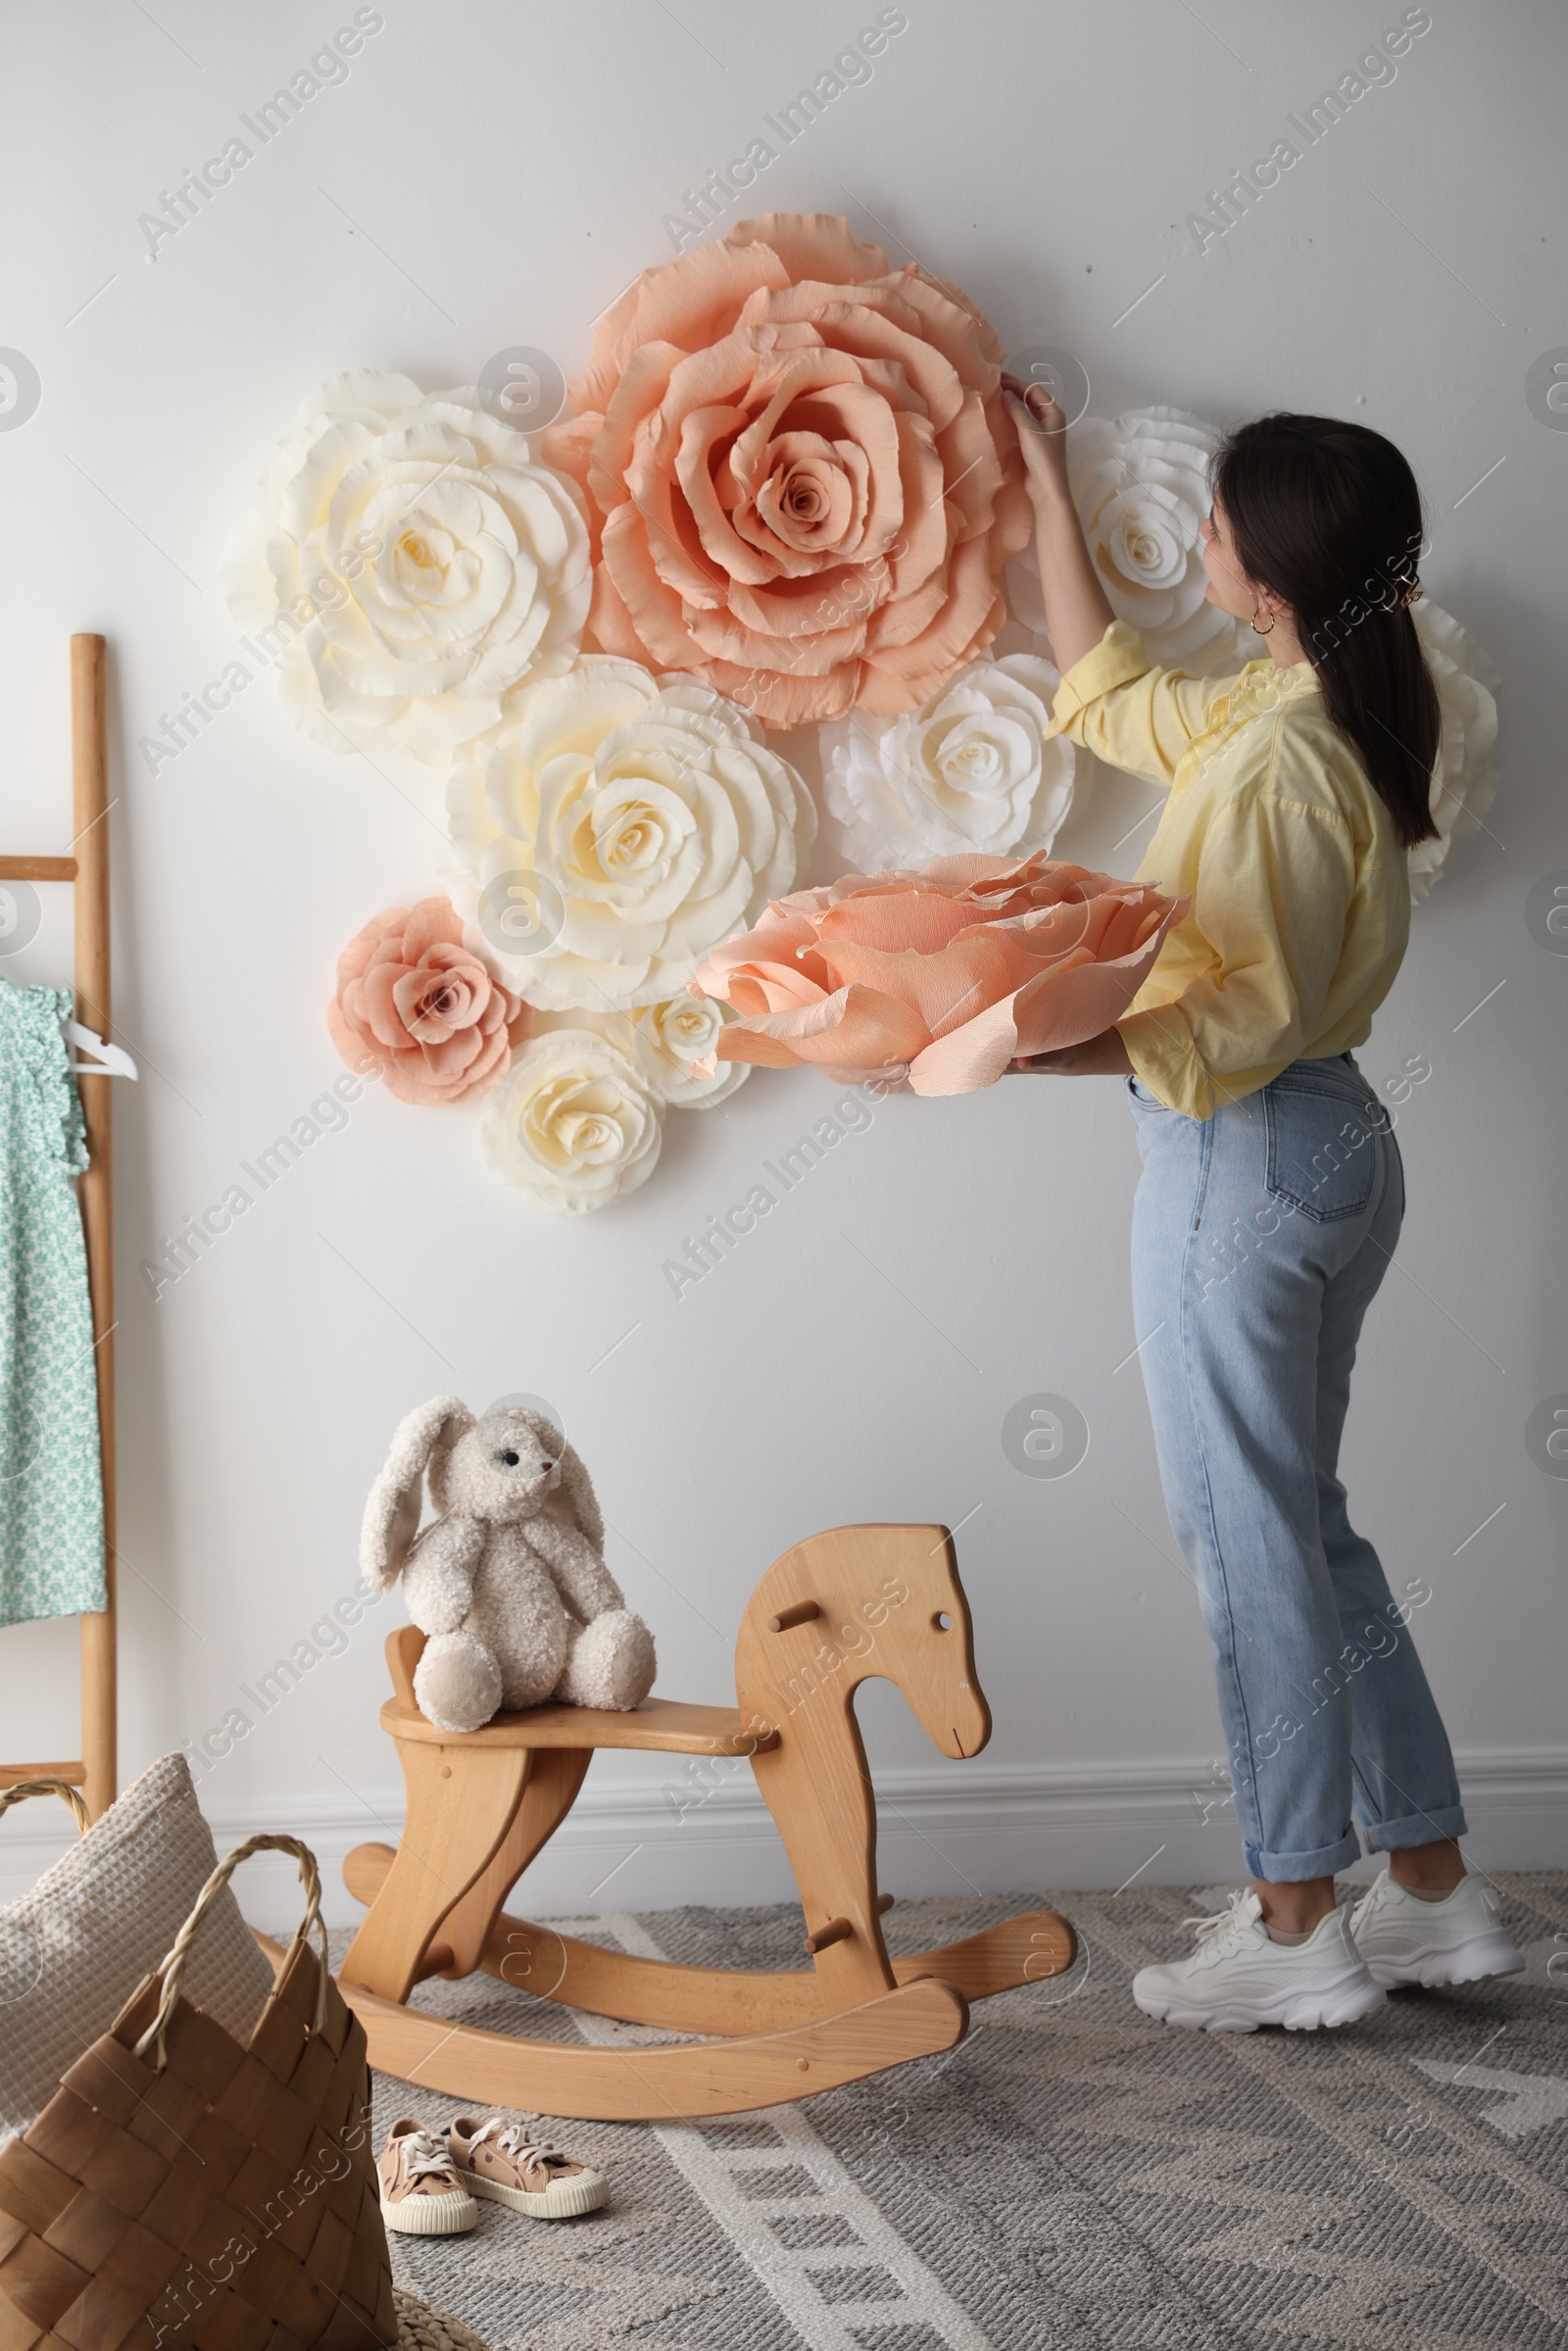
x: 801, y: 472
x: 940, y: 975
x: 414, y: 997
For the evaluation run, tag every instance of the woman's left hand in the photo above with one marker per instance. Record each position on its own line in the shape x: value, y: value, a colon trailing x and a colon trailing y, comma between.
x: 1101, y: 1056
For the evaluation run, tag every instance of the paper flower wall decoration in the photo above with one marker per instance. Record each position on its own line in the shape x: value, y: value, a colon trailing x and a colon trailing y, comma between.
x: 787, y: 494
x: 635, y: 821
x: 571, y: 1124
x: 1464, y: 781
x: 423, y: 1004
x: 1140, y: 483
x: 801, y: 472
x: 941, y: 976
x: 970, y: 769
x: 407, y: 565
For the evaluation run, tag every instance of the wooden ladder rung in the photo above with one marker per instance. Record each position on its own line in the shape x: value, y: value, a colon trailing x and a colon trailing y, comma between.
x: 38, y: 869
x: 12, y: 1775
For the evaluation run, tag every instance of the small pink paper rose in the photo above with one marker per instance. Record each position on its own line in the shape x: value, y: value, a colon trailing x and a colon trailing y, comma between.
x: 413, y: 997
x: 942, y: 975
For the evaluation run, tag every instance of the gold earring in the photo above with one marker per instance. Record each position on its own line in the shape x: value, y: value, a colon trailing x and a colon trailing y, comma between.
x: 1258, y: 625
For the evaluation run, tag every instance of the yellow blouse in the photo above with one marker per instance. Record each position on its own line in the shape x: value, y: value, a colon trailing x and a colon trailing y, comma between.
x: 1300, y: 901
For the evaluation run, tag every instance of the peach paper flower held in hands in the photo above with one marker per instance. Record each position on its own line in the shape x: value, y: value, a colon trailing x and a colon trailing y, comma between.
x: 942, y: 975
x: 413, y: 997
x: 799, y: 471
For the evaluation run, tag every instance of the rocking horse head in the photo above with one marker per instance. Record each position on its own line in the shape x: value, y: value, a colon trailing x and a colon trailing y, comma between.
x: 864, y: 1601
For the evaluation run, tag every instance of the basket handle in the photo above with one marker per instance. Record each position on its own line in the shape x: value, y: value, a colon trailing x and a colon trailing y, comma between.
x: 173, y: 1967
x: 49, y: 1788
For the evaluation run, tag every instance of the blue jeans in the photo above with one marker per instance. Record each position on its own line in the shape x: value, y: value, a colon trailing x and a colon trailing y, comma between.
x: 1260, y: 1238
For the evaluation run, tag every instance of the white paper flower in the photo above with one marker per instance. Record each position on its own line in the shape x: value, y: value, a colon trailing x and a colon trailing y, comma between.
x: 662, y: 1040
x: 1141, y: 484
x: 629, y: 823
x: 407, y: 567
x: 571, y: 1124
x: 1464, y: 781
x: 969, y: 770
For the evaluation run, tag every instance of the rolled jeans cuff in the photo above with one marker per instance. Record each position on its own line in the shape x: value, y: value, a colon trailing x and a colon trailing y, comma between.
x: 1286, y: 1869
x: 1416, y: 1829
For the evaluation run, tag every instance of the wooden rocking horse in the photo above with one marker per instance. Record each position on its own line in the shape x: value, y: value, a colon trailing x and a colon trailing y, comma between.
x: 835, y: 1610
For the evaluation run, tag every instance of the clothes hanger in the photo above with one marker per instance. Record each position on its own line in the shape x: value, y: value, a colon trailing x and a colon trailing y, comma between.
x: 108, y: 1061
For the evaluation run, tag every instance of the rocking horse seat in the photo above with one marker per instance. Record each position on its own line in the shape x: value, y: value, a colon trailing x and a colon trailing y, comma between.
x: 664, y: 1725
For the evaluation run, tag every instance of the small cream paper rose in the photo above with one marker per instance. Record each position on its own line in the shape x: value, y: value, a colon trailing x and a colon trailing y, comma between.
x: 570, y: 1124
x: 1140, y: 486
x: 970, y: 769
x: 618, y: 828
x: 407, y: 565
x: 664, y: 1041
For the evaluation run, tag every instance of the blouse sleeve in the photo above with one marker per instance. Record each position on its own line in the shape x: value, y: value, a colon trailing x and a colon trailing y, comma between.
x: 1119, y: 705
x: 1275, y: 881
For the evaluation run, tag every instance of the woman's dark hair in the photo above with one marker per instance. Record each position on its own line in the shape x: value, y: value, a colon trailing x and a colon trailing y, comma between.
x: 1328, y: 515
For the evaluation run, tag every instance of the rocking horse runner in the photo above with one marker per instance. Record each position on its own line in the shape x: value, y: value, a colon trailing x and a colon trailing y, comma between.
x: 835, y: 1610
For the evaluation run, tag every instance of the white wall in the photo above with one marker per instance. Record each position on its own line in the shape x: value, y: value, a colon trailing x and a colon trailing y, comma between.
x: 493, y: 175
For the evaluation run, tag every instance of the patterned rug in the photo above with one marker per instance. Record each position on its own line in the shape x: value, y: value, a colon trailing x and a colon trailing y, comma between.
x: 1070, y: 2175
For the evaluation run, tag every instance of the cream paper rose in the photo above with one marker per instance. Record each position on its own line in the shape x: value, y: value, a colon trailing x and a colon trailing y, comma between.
x: 1464, y: 781
x: 570, y: 1124
x: 662, y: 1042
x: 618, y: 828
x: 408, y: 566
x: 970, y: 769
x: 1140, y: 486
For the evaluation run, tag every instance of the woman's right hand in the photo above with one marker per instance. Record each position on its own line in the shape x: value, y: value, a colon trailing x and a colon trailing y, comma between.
x: 1042, y: 430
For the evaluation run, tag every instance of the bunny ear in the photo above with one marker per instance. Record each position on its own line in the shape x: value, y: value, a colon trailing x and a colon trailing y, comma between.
x: 578, y: 1488
x: 392, y: 1512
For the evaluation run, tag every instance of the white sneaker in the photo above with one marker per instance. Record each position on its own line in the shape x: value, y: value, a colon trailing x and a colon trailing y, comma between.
x: 1238, y: 1978
x: 1405, y: 1941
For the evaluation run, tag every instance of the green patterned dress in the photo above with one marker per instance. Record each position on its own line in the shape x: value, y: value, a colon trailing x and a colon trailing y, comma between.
x: 51, y: 1484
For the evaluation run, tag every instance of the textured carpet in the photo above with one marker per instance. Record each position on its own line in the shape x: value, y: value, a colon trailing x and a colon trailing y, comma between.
x: 1070, y: 2175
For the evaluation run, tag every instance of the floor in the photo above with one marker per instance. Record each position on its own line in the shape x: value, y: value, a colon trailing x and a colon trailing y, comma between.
x: 1070, y: 2175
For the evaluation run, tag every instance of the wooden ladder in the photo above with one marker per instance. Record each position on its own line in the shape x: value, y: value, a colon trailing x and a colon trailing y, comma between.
x: 94, y: 1773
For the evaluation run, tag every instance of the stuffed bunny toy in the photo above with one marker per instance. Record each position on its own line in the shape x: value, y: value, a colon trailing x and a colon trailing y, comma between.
x: 507, y: 1582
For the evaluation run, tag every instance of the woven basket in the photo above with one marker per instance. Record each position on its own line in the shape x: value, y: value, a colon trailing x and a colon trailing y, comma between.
x: 180, y: 2189
x: 49, y: 1788
x: 423, y: 2328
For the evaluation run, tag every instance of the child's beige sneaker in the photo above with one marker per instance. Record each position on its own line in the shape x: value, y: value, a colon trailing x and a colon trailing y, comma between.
x: 496, y: 2159
x: 421, y: 2193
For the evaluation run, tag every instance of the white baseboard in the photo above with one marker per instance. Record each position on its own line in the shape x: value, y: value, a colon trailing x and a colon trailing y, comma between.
x: 993, y: 1828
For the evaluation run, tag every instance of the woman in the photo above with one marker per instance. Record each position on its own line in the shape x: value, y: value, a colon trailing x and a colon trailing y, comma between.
x: 1272, y: 1189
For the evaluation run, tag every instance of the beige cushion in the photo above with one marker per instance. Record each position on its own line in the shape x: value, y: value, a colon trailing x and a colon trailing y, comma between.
x: 75, y: 1949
